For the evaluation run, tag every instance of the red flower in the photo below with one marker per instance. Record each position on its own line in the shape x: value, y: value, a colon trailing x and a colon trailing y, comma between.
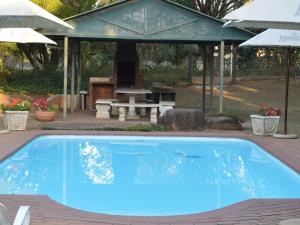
x: 15, y: 101
x: 41, y: 104
x: 266, y: 110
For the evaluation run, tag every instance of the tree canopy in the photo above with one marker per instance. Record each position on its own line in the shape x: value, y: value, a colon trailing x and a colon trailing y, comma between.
x: 66, y: 8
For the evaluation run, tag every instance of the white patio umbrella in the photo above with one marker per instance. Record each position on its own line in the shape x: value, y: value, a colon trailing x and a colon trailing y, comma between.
x: 280, y: 14
x: 24, y: 13
x: 23, y: 35
x: 278, y: 38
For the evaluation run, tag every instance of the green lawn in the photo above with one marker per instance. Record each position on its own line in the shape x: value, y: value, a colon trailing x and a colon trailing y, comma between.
x: 243, y: 99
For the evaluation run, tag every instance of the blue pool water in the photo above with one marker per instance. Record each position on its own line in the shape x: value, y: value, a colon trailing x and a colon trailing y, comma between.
x: 146, y: 175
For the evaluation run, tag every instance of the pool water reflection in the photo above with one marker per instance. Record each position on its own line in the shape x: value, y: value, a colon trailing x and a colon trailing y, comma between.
x: 146, y: 175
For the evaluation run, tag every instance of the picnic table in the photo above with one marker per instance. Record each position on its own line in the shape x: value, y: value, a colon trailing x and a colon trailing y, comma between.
x: 132, y: 93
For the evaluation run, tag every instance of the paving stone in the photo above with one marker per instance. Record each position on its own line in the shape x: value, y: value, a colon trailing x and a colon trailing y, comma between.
x: 290, y: 222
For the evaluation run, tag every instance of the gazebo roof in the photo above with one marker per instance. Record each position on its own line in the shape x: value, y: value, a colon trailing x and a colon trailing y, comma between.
x: 149, y: 21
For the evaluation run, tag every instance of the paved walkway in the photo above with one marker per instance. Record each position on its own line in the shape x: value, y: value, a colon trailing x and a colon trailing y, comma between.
x: 80, y: 120
x: 263, y: 211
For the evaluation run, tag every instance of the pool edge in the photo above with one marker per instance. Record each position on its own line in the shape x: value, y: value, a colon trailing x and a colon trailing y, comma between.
x: 266, y: 143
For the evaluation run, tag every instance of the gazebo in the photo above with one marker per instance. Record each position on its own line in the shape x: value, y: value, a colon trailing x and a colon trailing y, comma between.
x: 141, y: 21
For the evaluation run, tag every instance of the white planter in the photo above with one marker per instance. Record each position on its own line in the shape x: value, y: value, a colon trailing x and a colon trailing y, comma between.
x: 264, y: 125
x: 15, y: 120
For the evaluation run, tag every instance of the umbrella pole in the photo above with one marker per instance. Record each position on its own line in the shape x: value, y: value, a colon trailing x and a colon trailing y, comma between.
x: 287, y: 83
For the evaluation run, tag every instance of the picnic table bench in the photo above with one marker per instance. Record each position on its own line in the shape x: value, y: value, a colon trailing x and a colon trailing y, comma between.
x: 122, y: 110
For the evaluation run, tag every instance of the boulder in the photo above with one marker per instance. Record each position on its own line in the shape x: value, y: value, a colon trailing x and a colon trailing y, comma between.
x: 223, y: 123
x: 183, y: 119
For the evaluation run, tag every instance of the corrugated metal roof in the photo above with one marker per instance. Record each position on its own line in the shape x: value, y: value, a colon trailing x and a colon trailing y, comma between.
x: 149, y: 20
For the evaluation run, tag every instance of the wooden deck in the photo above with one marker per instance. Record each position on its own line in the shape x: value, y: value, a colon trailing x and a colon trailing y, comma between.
x: 262, y: 211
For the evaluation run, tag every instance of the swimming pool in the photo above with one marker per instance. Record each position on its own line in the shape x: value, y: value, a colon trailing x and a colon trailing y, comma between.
x: 137, y: 175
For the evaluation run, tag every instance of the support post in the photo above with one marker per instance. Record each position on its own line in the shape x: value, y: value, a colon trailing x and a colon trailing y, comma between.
x: 73, y: 78
x: 78, y: 74
x: 204, y: 78
x: 66, y: 43
x: 231, y: 63
x: 211, y: 81
x: 287, y: 85
x: 221, y: 76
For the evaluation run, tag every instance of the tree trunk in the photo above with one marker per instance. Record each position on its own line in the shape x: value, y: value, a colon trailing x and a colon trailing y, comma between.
x: 39, y: 56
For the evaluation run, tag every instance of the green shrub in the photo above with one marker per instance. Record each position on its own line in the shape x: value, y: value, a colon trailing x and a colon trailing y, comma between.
x: 39, y: 82
x: 16, y: 106
x: 53, y: 108
x: 165, y: 75
x: 145, y: 128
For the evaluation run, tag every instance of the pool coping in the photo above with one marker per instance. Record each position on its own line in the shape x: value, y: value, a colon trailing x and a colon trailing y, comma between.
x: 263, y: 207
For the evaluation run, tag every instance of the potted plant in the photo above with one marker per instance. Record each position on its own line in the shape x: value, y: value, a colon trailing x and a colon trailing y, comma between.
x: 16, y: 114
x: 266, y: 122
x: 45, y: 112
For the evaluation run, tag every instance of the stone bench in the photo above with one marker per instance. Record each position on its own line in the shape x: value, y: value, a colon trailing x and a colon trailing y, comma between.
x: 104, y: 109
x: 122, y: 110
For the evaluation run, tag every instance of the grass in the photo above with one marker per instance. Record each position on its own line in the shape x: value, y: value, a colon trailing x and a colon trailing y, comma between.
x: 242, y: 100
x: 139, y: 127
x: 145, y: 128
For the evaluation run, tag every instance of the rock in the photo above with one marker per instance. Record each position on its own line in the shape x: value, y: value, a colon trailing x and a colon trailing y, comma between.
x: 223, y: 123
x: 183, y: 119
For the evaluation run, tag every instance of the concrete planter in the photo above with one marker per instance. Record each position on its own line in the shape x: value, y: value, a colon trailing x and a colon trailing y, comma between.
x: 15, y: 120
x: 45, y: 116
x: 264, y: 125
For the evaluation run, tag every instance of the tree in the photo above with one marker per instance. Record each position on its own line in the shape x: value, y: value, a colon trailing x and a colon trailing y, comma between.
x: 66, y: 8
x: 218, y: 8
x: 187, y: 3
x: 215, y: 8
x: 106, y: 2
x: 6, y: 50
x: 39, y: 56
